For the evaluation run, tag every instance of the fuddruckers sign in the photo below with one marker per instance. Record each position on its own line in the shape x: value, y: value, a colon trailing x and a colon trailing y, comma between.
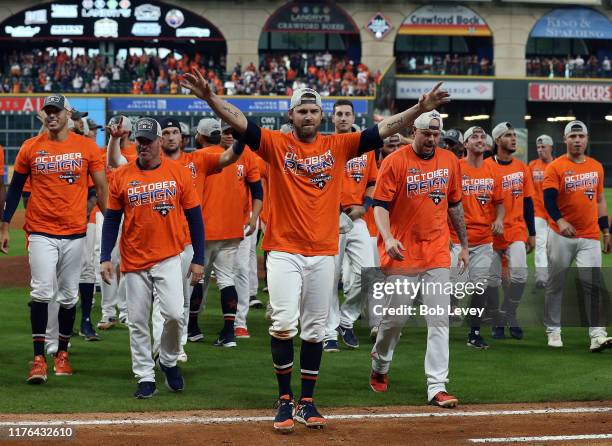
x: 569, y: 92
x: 311, y: 17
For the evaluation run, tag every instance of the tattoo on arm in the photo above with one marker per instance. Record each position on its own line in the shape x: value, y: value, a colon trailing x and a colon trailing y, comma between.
x: 456, y: 216
x: 231, y: 111
x: 395, y: 124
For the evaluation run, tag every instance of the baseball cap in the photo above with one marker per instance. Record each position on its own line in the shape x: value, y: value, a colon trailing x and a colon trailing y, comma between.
x: 453, y: 135
x: 298, y: 98
x: 489, y: 141
x: 545, y: 140
x: 93, y: 125
x: 393, y: 139
x: 469, y: 132
x: 165, y: 123
x: 575, y: 126
x: 500, y: 129
x: 423, y: 122
x: 126, y: 123
x: 76, y: 115
x: 225, y: 126
x: 58, y: 101
x: 85, y: 126
x: 185, y: 130
x: 355, y: 128
x: 208, y: 126
x: 147, y: 128
x: 286, y: 128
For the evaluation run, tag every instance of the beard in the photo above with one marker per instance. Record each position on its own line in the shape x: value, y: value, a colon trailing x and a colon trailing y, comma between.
x: 305, y: 133
x: 170, y: 151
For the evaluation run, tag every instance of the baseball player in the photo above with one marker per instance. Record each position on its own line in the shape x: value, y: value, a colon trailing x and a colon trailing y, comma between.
x: 483, y: 207
x: 518, y: 238
x: 357, y: 187
x: 453, y: 141
x: 302, y: 235
x: 59, y: 163
x: 113, y: 294
x: 417, y: 191
x: 1, y: 177
x: 577, y: 210
x: 153, y: 194
x: 185, y: 137
x: 538, y: 167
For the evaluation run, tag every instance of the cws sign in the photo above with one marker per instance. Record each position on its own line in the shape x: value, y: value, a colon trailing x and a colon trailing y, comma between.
x: 311, y: 17
x: 550, y: 92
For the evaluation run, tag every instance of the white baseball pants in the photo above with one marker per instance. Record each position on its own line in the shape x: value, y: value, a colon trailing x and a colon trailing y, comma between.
x: 516, y: 254
x: 390, y: 329
x: 354, y: 252
x: 561, y: 252
x: 300, y: 290
x: 479, y: 268
x: 220, y: 258
x: 540, y: 258
x: 242, y: 275
x: 164, y: 279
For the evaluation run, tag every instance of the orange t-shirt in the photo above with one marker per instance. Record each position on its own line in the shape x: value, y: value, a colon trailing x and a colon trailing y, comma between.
x: 418, y: 192
x: 304, y: 188
x: 481, y: 192
x: 200, y: 165
x: 27, y: 187
x: 538, y: 167
x: 59, y: 173
x: 579, y: 186
x: 153, y: 204
x: 516, y: 185
x: 225, y: 196
x: 2, y: 162
x: 263, y: 171
x: 359, y: 173
x: 369, y: 216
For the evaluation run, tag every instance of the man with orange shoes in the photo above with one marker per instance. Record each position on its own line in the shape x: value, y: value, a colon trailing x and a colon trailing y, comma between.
x: 418, y: 190
x: 538, y: 167
x: 226, y: 229
x: 577, y: 210
x: 59, y: 163
x: 518, y: 238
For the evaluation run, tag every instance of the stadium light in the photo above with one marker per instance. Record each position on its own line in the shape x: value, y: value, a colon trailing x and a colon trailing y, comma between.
x: 608, y: 117
x: 561, y: 119
x: 527, y: 117
x: 476, y: 118
x: 444, y: 115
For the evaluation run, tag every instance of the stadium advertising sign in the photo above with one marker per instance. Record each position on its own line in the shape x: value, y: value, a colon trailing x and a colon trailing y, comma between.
x: 459, y: 90
x: 570, y: 92
x: 379, y: 26
x: 247, y: 105
x: 573, y: 23
x: 448, y: 20
x: 108, y: 19
x: 311, y: 17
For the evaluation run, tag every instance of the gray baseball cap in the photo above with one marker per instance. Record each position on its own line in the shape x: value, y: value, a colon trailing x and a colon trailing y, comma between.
x: 500, y: 129
x: 575, y: 127
x: 208, y: 126
x: 185, y: 130
x: 148, y: 128
x: 544, y: 140
x: 312, y: 97
x: 126, y: 123
x: 57, y: 101
x: 453, y: 135
x: 469, y: 132
x: 423, y: 122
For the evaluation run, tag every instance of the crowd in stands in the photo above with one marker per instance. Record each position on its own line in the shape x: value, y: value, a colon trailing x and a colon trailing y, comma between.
x: 38, y: 71
x: 566, y: 67
x: 467, y: 64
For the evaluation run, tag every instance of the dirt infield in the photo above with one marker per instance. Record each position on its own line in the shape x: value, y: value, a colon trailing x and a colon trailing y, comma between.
x: 348, y: 426
x: 15, y: 270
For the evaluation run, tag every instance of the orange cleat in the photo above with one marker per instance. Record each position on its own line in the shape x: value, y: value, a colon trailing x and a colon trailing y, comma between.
x: 241, y: 333
x: 379, y: 382
x: 38, y: 370
x: 62, y: 366
x: 443, y: 399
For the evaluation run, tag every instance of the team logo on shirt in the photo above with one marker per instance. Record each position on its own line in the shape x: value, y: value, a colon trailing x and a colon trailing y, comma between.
x: 431, y: 182
x: 355, y: 167
x: 163, y: 208
x: 192, y: 168
x: 45, y: 163
x: 143, y: 194
x: 315, y: 167
x: 587, y: 181
x: 437, y: 196
x: 42, y: 153
x: 70, y: 177
x: 134, y: 183
x: 538, y: 176
x: 513, y: 182
x: 483, y: 199
x: 320, y: 180
x: 240, y: 170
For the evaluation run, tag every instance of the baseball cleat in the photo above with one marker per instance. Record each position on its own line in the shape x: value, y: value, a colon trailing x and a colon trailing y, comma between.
x: 194, y: 334
x: 38, y: 371
x: 88, y: 332
x: 476, y: 341
x: 516, y: 332
x: 254, y: 302
x: 307, y: 414
x: 379, y: 382
x: 283, y: 421
x: 348, y: 337
x: 554, y: 340
x: 443, y: 399
x: 107, y: 324
x: 61, y: 365
x: 331, y: 346
x: 182, y: 356
x: 498, y: 333
x: 173, y: 377
x: 241, y: 333
x: 145, y: 390
x: 600, y: 343
x: 226, y: 340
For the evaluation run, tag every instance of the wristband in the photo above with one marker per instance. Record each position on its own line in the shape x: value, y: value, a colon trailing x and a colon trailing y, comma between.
x: 369, y: 201
x: 603, y: 222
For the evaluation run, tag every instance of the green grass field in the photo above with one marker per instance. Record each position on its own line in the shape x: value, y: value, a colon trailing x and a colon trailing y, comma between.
x: 510, y: 371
